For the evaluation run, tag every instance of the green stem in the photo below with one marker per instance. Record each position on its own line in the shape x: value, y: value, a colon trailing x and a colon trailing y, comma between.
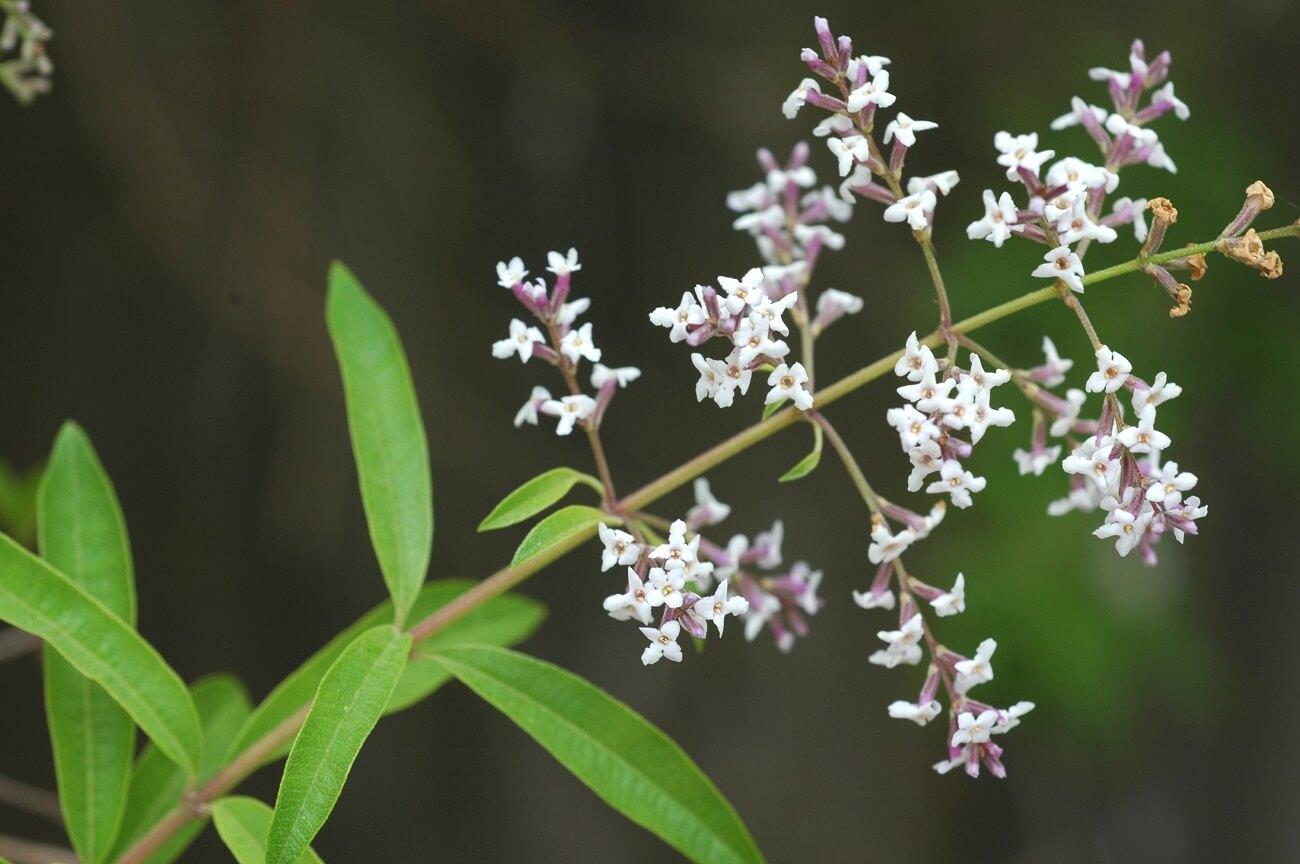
x: 850, y: 464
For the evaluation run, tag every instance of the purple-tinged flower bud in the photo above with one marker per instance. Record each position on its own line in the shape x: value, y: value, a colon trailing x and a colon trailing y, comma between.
x: 818, y: 66
x: 825, y: 39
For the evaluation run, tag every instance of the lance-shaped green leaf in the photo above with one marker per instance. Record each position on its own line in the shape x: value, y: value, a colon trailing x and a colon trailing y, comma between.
x: 243, y: 824
x: 82, y: 532
x: 558, y: 527
x: 387, y: 436
x: 348, y: 704
x: 631, y: 765
x: 805, y: 465
x: 504, y: 620
x: 157, y: 784
x: 535, y: 496
x: 39, y: 599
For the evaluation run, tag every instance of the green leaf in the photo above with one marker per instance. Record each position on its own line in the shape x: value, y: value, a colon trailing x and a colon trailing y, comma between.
x: 631, y: 765
x: 243, y: 824
x: 558, y: 527
x: 535, y: 496
x: 769, y: 410
x: 807, y: 463
x: 39, y: 599
x: 504, y: 620
x: 82, y: 532
x: 387, y: 436
x: 157, y: 784
x: 348, y: 704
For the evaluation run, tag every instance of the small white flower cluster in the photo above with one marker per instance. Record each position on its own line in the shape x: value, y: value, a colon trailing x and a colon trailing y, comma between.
x: 1065, y: 204
x: 674, y: 576
x: 971, y: 722
x: 861, y: 87
x: 1143, y: 498
x: 943, y: 404
x: 752, y: 324
x: 564, y: 345
x: 26, y: 75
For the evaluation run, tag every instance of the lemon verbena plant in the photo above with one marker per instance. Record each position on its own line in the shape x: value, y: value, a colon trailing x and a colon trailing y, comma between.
x: 746, y: 339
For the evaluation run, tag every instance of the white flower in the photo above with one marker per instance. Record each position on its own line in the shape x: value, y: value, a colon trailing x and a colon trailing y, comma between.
x: 978, y: 669
x: 986, y: 380
x: 707, y: 510
x: 1064, y: 265
x: 1036, y: 460
x: 806, y: 234
x: 902, y: 645
x: 1168, y: 485
x: 757, y: 617
x: 1161, y: 390
x: 972, y: 729
x: 957, y: 482
x: 836, y: 123
x: 787, y: 382
x: 952, y: 602
x: 943, y: 182
x: 886, y: 545
x: 769, y: 543
x: 511, y: 274
x: 926, y: 459
x: 748, y: 289
x: 1166, y: 94
x: 570, y: 409
x: 913, y: 209
x: 1079, y: 110
x: 689, y: 313
x: 634, y: 604
x: 620, y: 548
x: 999, y: 216
x: 752, y: 341
x: 849, y: 150
x: 872, y: 600
x: 1112, y: 371
x: 528, y: 413
x: 712, y: 374
x: 569, y: 312
x: 833, y: 303
x: 623, y: 375
x: 577, y: 344
x: 1158, y: 158
x: 717, y: 607
x: 1074, y: 399
x: 983, y: 415
x: 1076, y: 174
x: 914, y: 428
x: 676, y: 553
x: 1085, y: 499
x: 664, y: 587
x: 1126, y: 528
x: 793, y: 102
x: 928, y: 394
x: 875, y: 91
x: 1010, y: 718
x: 521, y: 340
x: 563, y: 265
x: 906, y: 128
x: 663, y: 643
x: 1056, y: 366
x: 1144, y: 437
x: 918, y: 714
x: 917, y: 361
x: 1020, y: 151
x: 770, y: 310
x: 1077, y: 225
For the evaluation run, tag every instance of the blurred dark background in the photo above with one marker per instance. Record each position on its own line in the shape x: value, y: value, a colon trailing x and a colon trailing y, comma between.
x: 168, y: 217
